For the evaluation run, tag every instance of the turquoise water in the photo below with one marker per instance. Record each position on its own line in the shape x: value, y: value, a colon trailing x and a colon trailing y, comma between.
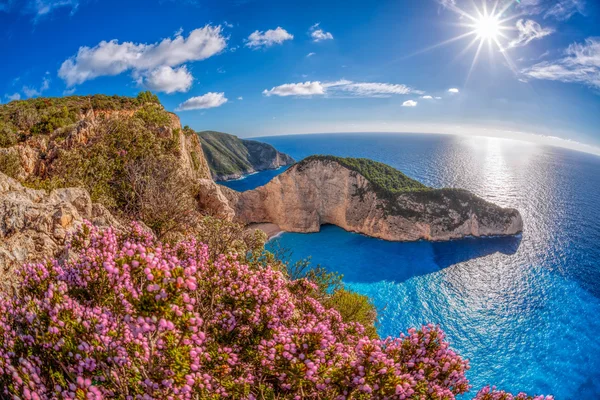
x: 524, y: 310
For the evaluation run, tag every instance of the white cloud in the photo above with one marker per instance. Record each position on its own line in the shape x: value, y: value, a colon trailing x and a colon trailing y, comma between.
x: 310, y: 54
x: 371, y: 89
x: 447, y: 3
x: 240, y: 98
x: 168, y: 80
x: 209, y: 100
x: 318, y: 34
x: 14, y: 96
x: 565, y: 9
x: 39, y: 8
x: 296, y: 89
x: 341, y: 88
x: 528, y: 31
x: 269, y: 38
x: 427, y: 97
x: 409, y: 103
x: 581, y: 64
x: 43, y: 7
x: 113, y: 58
x: 453, y: 90
x: 34, y: 92
x: 557, y: 9
x: 438, y: 98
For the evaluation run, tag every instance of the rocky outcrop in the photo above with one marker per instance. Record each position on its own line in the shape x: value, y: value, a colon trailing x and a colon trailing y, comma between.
x: 34, y: 224
x: 230, y: 157
x: 317, y: 192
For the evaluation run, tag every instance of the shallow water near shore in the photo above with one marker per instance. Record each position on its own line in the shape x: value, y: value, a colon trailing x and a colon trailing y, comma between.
x: 524, y: 310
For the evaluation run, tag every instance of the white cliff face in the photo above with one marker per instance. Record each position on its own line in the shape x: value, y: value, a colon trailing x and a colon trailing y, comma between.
x: 324, y: 192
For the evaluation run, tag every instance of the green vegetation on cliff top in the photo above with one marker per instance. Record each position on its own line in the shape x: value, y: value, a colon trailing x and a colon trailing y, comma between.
x: 385, y: 179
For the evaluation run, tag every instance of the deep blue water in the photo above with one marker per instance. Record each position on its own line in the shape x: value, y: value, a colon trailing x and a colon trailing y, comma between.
x: 524, y: 310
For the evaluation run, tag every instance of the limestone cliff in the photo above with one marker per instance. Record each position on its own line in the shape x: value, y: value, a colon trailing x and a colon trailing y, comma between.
x: 34, y: 223
x: 230, y: 157
x: 91, y: 141
x: 322, y: 190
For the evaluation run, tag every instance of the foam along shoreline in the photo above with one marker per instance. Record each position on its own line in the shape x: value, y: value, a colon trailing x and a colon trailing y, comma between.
x: 271, y: 230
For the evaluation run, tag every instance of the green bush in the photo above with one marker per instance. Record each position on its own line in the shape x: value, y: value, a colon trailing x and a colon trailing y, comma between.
x: 147, y: 97
x: 10, y: 164
x: 8, y: 135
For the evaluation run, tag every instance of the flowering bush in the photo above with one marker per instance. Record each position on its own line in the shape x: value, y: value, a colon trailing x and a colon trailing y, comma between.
x: 490, y: 393
x: 129, y: 317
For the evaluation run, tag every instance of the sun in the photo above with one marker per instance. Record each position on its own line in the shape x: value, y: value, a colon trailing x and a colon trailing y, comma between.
x: 488, y: 27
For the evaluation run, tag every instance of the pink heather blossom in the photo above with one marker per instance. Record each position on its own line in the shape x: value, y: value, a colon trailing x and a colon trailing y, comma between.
x: 490, y: 393
x: 129, y: 317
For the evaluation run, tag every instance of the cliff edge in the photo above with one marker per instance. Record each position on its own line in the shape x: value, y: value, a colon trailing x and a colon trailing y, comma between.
x: 371, y: 198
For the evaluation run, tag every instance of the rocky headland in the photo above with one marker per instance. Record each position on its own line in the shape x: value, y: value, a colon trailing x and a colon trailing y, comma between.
x: 230, y: 157
x: 114, y: 159
x: 370, y: 198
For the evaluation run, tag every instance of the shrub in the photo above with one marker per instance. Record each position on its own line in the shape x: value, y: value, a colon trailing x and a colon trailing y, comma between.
x: 8, y: 137
x: 227, y: 237
x: 133, y: 318
x: 490, y: 393
x: 10, y: 163
x: 54, y: 118
x: 147, y: 97
x: 153, y: 115
x: 161, y: 196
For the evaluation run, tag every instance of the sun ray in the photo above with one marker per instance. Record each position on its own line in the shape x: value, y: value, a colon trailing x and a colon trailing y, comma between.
x: 445, y: 42
x: 481, y: 43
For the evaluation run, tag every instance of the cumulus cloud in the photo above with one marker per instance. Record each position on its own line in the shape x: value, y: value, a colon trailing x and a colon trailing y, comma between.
x: 580, y: 64
x: 427, y: 97
x: 528, y: 31
x: 296, y: 89
x: 143, y: 60
x: 453, y: 90
x: 240, y: 98
x: 168, y: 80
x: 318, y: 34
x: 269, y: 38
x: 14, y: 96
x: 409, y: 103
x: 340, y: 88
x: 209, y: 100
x: 310, y: 54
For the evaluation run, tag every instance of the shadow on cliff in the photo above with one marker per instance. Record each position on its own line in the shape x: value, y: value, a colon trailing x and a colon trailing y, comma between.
x: 363, y: 259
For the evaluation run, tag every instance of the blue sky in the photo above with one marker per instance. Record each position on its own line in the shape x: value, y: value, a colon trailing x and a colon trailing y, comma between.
x: 256, y: 68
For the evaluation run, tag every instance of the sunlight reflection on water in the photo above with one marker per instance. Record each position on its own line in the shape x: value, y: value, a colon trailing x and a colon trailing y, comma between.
x: 525, y: 312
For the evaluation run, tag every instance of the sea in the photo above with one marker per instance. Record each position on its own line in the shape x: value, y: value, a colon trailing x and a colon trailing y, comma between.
x: 524, y: 310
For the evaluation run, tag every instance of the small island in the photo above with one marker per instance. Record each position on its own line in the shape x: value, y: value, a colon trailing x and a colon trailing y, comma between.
x: 368, y: 197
